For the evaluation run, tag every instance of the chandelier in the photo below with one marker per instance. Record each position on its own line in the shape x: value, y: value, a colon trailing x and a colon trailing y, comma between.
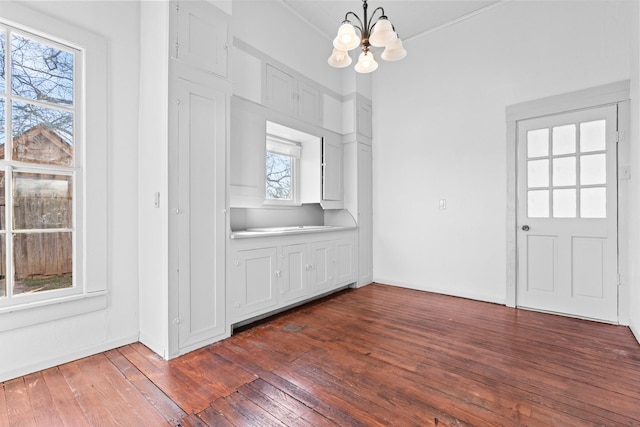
x: 377, y: 34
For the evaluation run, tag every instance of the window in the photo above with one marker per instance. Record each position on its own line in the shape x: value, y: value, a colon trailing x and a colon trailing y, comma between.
x: 39, y: 166
x: 282, y: 170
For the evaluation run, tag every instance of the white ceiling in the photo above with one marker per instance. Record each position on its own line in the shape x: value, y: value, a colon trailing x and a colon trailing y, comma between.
x: 409, y: 17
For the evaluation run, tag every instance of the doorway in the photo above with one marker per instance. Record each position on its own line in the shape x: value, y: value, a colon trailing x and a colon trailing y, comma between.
x: 567, y: 213
x: 563, y: 203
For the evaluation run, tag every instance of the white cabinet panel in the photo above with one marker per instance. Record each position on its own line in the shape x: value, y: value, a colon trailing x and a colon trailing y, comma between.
x: 253, y: 282
x: 202, y: 36
x: 281, y: 91
x: 332, y: 182
x: 295, y: 269
x: 364, y: 119
x: 320, y: 266
x: 201, y: 203
x: 344, y: 261
x: 365, y: 225
x: 247, y: 157
x: 295, y: 98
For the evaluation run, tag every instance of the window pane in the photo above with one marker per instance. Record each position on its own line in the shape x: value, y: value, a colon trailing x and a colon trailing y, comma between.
x: 3, y: 86
x: 538, y: 173
x: 538, y: 204
x: 564, y: 171
x: 41, y: 201
x: 593, y: 136
x: 538, y: 143
x: 42, y: 135
x: 279, y: 173
x: 43, y: 262
x: 564, y: 139
x: 593, y: 202
x: 3, y: 137
x: 593, y: 169
x: 40, y: 71
x: 3, y: 266
x: 2, y: 201
x: 564, y: 203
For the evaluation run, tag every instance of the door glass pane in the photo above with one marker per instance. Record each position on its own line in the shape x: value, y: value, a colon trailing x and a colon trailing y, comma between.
x: 564, y: 171
x: 593, y: 202
x: 564, y: 139
x: 41, y: 201
x: 538, y: 173
x: 593, y: 169
x: 2, y: 56
x: 538, y: 143
x: 593, y: 136
x: 2, y: 202
x: 43, y: 262
x: 564, y: 203
x: 538, y: 204
x: 42, y: 135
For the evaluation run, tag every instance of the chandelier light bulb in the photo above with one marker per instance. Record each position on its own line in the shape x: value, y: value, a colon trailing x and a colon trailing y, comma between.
x: 366, y: 63
x: 382, y: 33
x: 394, y: 51
x: 339, y: 59
x: 347, y: 39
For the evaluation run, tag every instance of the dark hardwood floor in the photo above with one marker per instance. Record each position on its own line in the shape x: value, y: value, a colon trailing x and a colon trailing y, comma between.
x: 376, y: 356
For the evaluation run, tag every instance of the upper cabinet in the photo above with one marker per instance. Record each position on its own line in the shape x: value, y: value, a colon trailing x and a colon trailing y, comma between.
x: 291, y: 96
x: 201, y: 37
x: 332, y: 182
x: 363, y: 117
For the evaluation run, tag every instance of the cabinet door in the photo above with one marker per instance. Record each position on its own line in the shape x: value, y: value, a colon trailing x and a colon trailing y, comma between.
x: 364, y: 119
x: 294, y: 272
x: 344, y: 262
x: 202, y: 36
x: 365, y: 228
x: 309, y: 103
x: 252, y: 288
x: 332, y: 168
x: 280, y: 91
x: 199, y: 217
x: 247, y: 157
x: 320, y: 266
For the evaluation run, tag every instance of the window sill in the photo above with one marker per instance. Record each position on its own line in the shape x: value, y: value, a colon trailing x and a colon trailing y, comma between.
x: 19, y: 316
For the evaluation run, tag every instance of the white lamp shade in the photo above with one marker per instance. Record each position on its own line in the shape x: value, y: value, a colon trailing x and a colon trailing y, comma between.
x: 382, y: 33
x: 394, y: 51
x: 347, y: 38
x: 366, y: 63
x: 339, y: 59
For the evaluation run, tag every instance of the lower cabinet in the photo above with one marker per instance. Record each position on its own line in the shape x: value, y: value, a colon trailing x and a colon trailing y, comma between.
x: 266, y: 274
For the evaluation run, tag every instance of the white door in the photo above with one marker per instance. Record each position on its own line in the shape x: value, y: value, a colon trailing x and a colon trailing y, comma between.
x: 567, y: 214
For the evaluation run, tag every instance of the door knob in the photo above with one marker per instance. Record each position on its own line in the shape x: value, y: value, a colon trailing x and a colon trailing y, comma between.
x: 525, y: 228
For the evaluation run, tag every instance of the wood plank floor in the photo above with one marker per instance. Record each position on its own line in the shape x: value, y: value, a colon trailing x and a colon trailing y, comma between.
x: 376, y: 356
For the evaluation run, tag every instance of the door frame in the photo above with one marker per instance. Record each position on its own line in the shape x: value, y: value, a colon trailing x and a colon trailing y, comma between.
x: 613, y: 93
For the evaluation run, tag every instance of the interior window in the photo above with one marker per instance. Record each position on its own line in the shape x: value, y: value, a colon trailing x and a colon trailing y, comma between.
x: 282, y: 170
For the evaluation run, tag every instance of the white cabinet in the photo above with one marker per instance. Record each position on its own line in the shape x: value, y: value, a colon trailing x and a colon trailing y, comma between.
x: 197, y: 194
x: 247, y: 168
x: 320, y: 266
x: 332, y: 182
x: 365, y: 214
x: 291, y: 96
x: 295, y: 272
x: 364, y: 120
x: 266, y: 274
x: 254, y: 274
x: 182, y: 155
x: 201, y: 36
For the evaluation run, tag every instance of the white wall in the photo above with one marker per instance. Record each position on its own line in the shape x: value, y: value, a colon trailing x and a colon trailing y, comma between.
x: 47, y: 344
x: 634, y: 205
x: 272, y: 28
x: 440, y: 133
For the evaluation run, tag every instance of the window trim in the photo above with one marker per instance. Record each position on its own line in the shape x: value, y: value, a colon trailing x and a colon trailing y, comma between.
x: 91, y: 260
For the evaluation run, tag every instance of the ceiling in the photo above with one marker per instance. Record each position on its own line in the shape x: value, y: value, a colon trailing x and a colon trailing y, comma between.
x: 410, y: 18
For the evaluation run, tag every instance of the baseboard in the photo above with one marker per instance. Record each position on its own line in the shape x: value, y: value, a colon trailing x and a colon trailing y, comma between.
x: 635, y: 330
x: 443, y: 291
x: 69, y: 357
